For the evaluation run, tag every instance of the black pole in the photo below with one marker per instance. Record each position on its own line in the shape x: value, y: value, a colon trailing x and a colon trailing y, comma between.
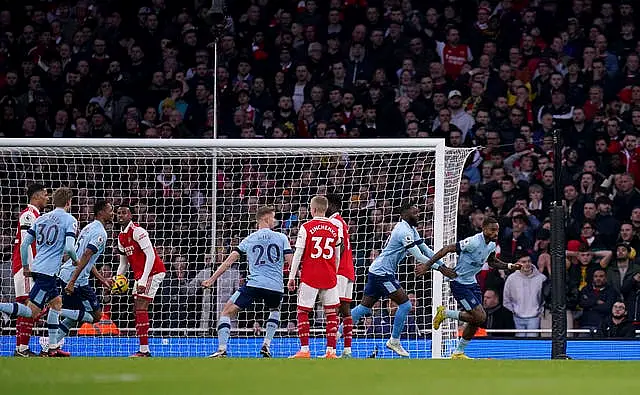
x: 558, y: 270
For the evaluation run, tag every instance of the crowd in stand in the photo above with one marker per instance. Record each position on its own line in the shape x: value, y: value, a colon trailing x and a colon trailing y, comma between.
x: 497, y: 74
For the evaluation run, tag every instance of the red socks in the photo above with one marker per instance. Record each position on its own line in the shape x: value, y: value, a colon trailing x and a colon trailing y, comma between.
x: 303, y: 327
x: 347, y: 329
x: 332, y: 329
x: 142, y: 326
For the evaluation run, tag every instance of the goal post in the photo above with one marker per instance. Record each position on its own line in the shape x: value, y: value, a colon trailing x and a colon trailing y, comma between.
x: 197, y: 199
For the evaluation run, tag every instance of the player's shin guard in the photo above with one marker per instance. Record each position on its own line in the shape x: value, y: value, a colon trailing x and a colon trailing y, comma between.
x: 358, y: 312
x: 303, y: 329
x: 272, y: 326
x: 347, y: 323
x: 53, y: 322
x: 224, y: 331
x: 400, y: 319
x: 64, y: 327
x: 142, y: 329
x: 332, y: 329
x: 77, y: 315
x: 15, y: 310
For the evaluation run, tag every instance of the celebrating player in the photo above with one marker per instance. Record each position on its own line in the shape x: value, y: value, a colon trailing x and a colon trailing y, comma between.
x: 79, y: 300
x: 148, y: 270
x: 472, y: 253
x: 266, y: 252
x: 38, y: 199
x: 55, y: 235
x: 346, y: 273
x: 381, y: 280
x: 318, y: 250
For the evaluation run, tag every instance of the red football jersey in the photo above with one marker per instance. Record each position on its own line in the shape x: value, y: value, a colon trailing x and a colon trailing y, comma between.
x: 26, y: 218
x: 131, y: 241
x: 319, y: 238
x: 346, y: 258
x: 454, y: 59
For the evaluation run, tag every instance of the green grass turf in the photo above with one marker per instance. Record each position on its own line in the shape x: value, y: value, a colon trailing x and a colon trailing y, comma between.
x: 332, y: 377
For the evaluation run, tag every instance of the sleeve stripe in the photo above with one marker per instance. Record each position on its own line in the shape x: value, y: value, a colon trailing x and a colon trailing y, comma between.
x: 288, y: 251
x: 418, y: 242
x: 458, y: 248
x: 92, y: 248
x: 24, y: 227
x: 31, y: 232
x: 238, y: 250
x: 70, y: 234
x: 409, y: 246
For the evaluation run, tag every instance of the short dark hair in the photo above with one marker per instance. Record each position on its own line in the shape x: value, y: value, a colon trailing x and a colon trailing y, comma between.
x: 335, y: 201
x: 406, y: 206
x: 33, y: 189
x: 489, y: 221
x: 99, y: 206
x: 125, y: 205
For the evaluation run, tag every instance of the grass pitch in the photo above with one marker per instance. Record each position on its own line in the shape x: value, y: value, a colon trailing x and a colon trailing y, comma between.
x: 117, y: 376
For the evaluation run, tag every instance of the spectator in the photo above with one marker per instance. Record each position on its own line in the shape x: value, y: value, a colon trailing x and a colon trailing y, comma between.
x: 596, y: 301
x: 498, y: 316
x: 617, y: 325
x: 622, y: 269
x: 523, y: 295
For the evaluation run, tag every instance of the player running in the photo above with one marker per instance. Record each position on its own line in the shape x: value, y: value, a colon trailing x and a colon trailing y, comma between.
x: 381, y: 280
x: 472, y: 253
x: 79, y: 300
x: 38, y: 199
x: 54, y: 234
x: 137, y: 251
x: 318, y: 251
x: 266, y: 252
x: 346, y: 273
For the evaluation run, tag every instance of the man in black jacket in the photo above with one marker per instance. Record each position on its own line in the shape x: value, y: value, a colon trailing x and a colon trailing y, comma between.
x: 617, y: 325
x: 498, y: 316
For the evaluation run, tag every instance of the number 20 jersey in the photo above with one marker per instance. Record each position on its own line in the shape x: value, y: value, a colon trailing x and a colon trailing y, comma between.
x: 319, y: 238
x: 265, y: 251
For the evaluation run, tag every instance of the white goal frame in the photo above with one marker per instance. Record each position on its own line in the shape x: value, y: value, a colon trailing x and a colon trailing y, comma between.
x: 437, y: 146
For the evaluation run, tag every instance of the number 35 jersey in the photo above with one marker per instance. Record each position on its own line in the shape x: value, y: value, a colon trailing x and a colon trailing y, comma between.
x: 319, y: 238
x: 265, y: 251
x: 50, y: 232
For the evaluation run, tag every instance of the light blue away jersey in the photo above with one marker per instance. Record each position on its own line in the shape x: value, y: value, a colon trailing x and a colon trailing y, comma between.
x: 403, y: 237
x: 265, y: 250
x: 93, y: 237
x: 50, y: 232
x: 472, y: 254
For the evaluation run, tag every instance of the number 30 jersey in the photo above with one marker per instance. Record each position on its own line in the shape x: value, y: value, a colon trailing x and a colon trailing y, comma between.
x: 319, y: 238
x: 50, y: 232
x: 265, y: 251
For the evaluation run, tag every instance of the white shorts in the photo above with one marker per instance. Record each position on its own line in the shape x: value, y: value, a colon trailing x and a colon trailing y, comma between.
x: 152, y: 286
x: 308, y: 295
x: 345, y: 289
x: 22, y: 284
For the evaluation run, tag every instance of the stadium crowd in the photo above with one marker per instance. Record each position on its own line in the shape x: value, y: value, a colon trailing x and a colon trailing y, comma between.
x: 498, y: 74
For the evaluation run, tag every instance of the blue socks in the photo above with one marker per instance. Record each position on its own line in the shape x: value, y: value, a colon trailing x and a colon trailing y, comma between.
x: 15, y: 310
x: 462, y: 344
x: 358, y: 312
x: 52, y: 325
x: 77, y: 315
x: 272, y: 326
x: 400, y: 319
x: 224, y: 331
x: 453, y: 314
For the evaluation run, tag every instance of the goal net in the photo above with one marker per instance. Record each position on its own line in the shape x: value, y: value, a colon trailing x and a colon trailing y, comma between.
x: 197, y: 199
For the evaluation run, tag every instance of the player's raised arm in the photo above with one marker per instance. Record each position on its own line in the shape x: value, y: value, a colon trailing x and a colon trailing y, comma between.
x: 496, y: 263
x: 435, y: 263
x: 231, y: 259
x: 141, y: 237
x: 297, y: 257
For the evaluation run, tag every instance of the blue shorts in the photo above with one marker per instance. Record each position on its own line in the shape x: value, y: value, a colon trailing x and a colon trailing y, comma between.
x: 245, y: 296
x: 83, y: 298
x: 44, y: 289
x: 468, y: 295
x: 380, y: 286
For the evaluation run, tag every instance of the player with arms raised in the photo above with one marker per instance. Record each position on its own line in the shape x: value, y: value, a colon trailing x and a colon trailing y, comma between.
x: 266, y: 252
x: 54, y: 234
x: 473, y: 252
x: 346, y: 273
x: 318, y: 251
x: 137, y: 251
x: 38, y: 199
x: 382, y: 281
x: 79, y: 301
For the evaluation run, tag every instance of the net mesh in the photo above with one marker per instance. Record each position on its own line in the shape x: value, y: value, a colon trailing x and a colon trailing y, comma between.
x: 197, y: 203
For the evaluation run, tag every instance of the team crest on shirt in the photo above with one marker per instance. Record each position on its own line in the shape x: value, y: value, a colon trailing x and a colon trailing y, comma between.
x: 100, y: 240
x: 465, y: 243
x: 408, y: 239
